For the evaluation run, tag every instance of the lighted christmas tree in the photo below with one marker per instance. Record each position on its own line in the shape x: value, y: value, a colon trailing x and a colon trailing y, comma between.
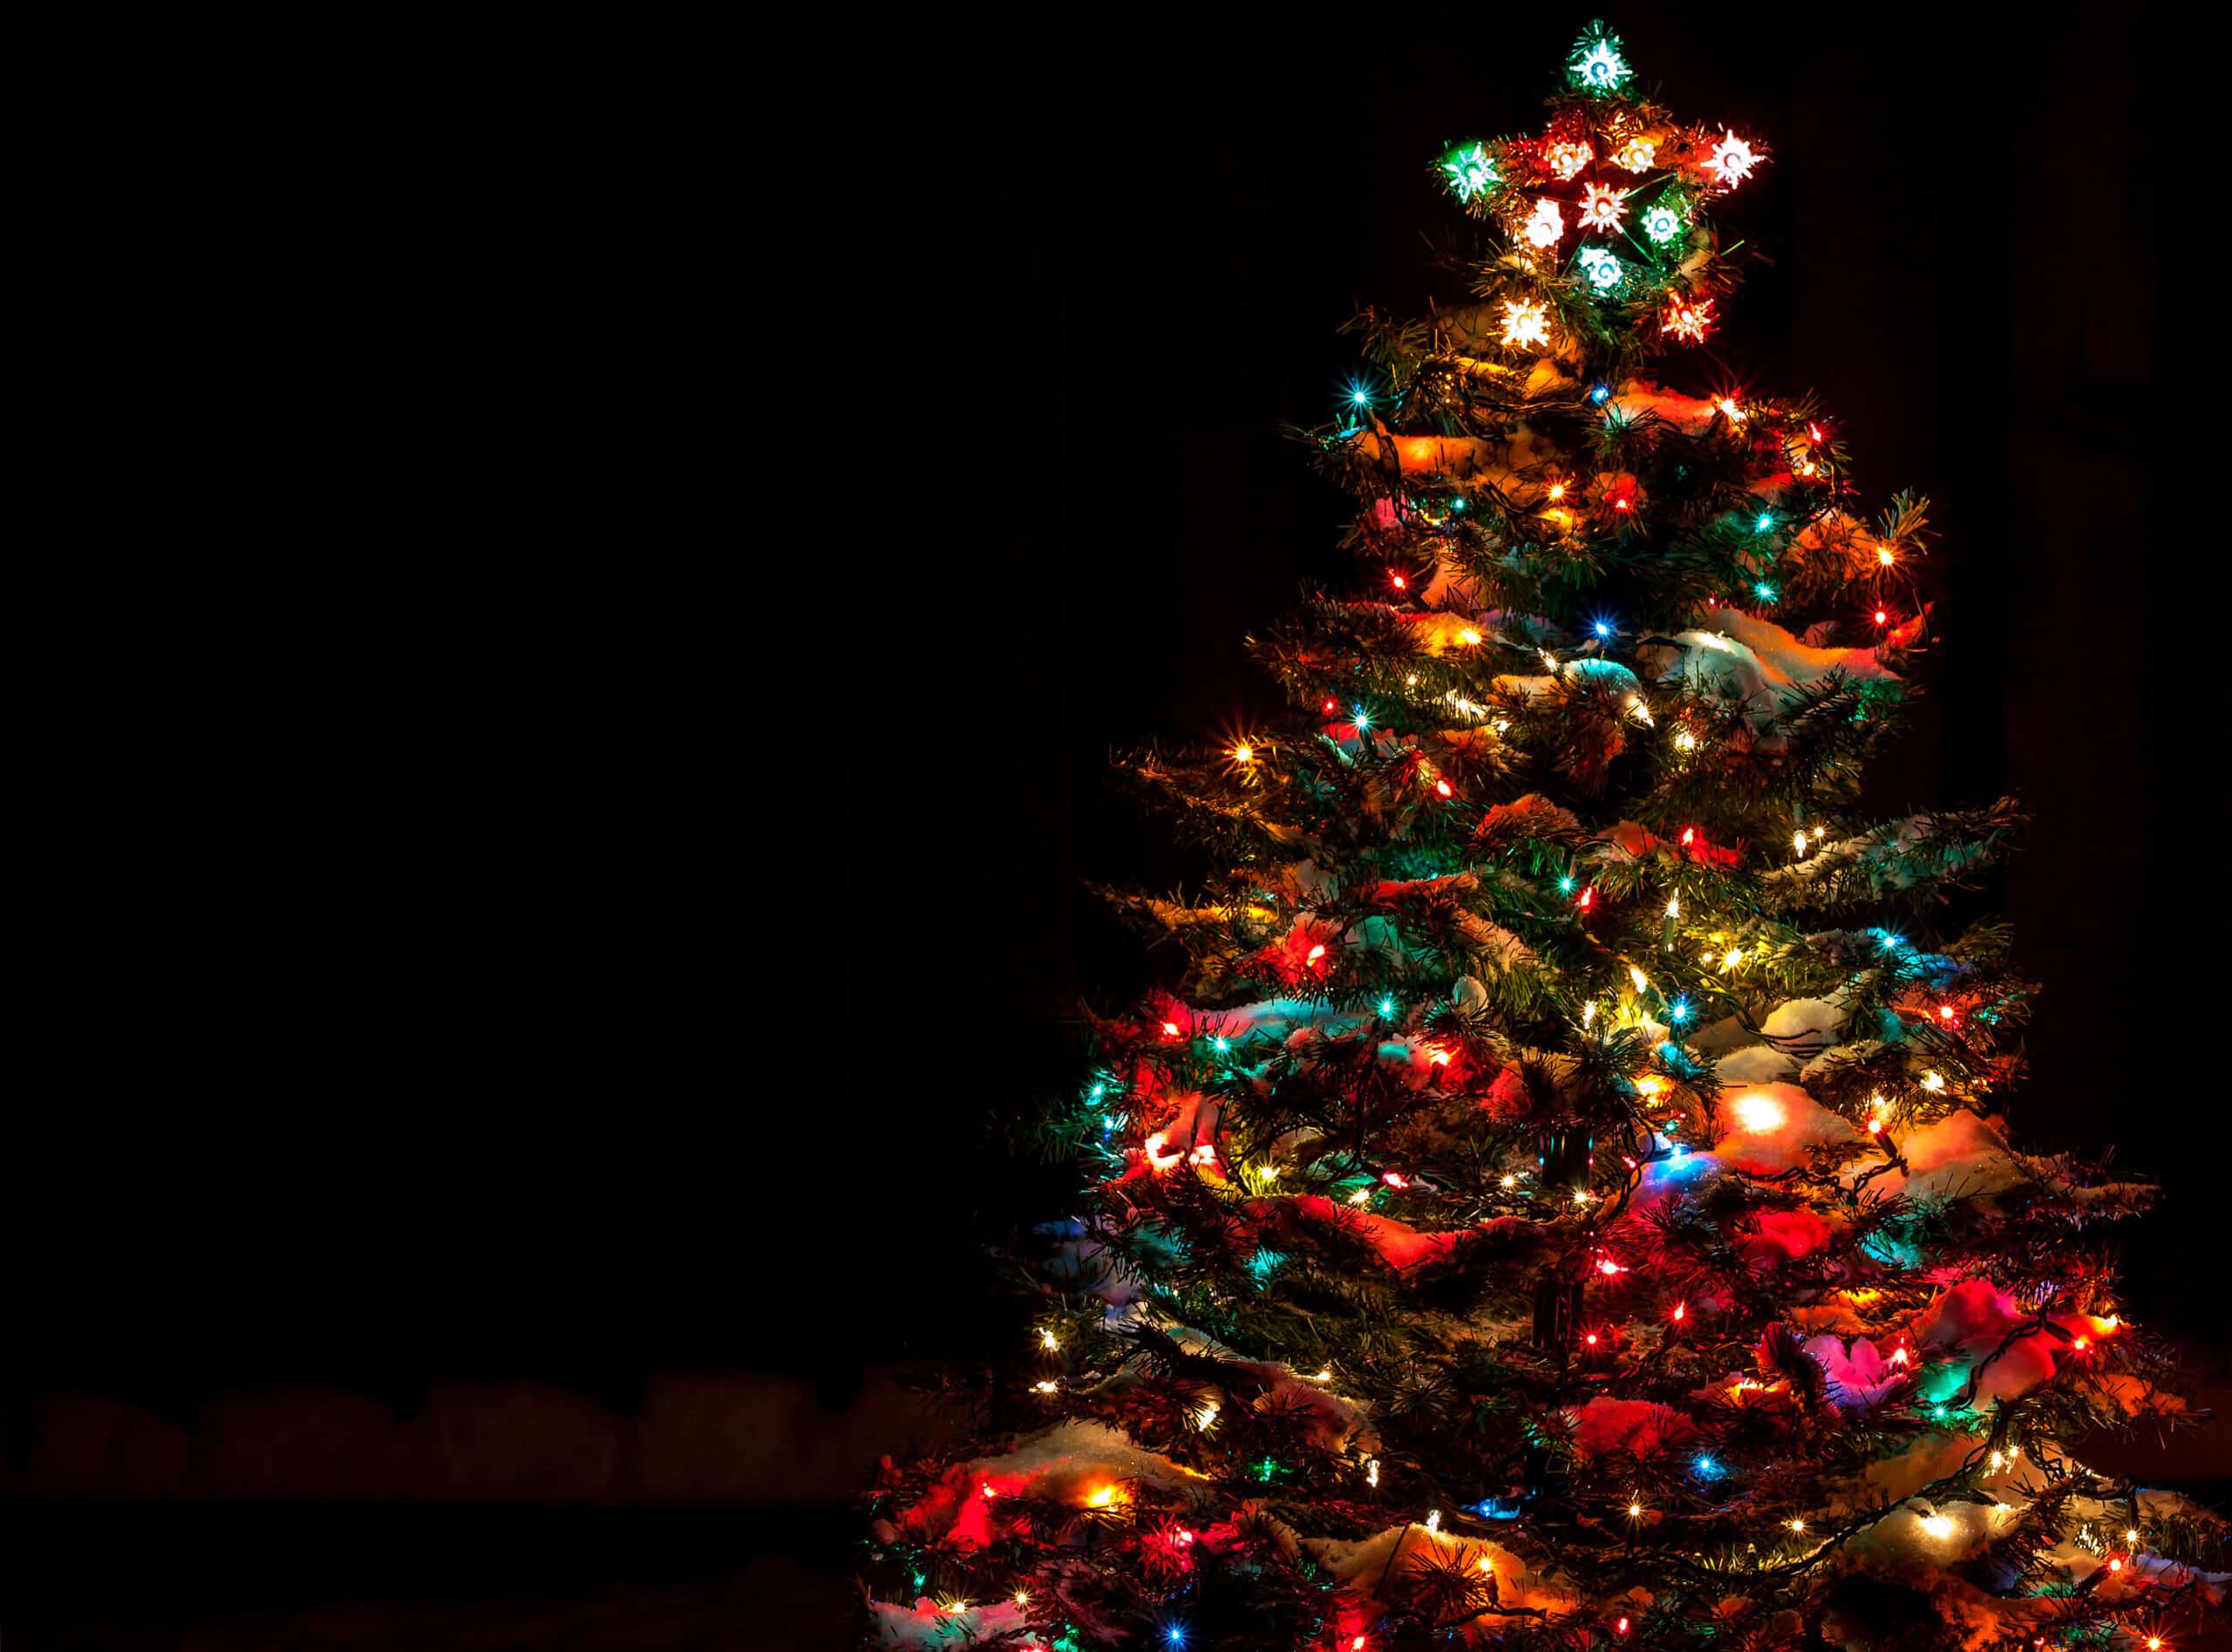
x: 1564, y: 1202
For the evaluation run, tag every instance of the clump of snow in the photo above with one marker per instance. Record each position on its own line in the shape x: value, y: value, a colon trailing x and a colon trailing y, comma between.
x: 931, y: 1627
x: 1961, y: 1154
x: 1641, y: 1428
x: 1805, y: 1026
x: 1859, y: 1379
x: 1754, y: 1065
x: 1919, y: 1539
x: 1400, y: 1246
x: 1066, y: 1463
x: 1380, y: 1562
x: 1971, y: 1322
x: 1772, y: 1128
x: 1786, y: 1235
x: 1753, y: 661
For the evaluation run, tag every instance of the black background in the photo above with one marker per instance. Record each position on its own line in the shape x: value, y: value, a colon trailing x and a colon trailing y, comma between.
x: 560, y: 1031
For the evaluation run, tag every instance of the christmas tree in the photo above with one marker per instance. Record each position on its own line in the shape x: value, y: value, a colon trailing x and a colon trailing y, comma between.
x: 1564, y: 1200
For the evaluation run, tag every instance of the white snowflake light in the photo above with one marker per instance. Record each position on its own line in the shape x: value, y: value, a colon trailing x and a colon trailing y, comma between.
x: 1732, y: 160
x: 1601, y: 266
x: 1662, y: 224
x: 1601, y: 209
x: 1546, y: 226
x: 1525, y: 325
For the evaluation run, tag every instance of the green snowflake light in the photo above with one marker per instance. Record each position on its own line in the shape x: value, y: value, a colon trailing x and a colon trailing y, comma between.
x: 1597, y: 65
x: 1471, y: 171
x: 1601, y: 266
x: 1662, y: 223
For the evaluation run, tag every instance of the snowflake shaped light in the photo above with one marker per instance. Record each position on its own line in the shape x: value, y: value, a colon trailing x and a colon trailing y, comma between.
x: 1638, y: 154
x: 1602, y: 269
x: 1546, y: 226
x: 1567, y: 158
x: 1732, y: 160
x: 1525, y: 325
x: 1596, y: 63
x: 1688, y: 318
x: 1601, y: 209
x: 1471, y: 171
x: 1662, y: 223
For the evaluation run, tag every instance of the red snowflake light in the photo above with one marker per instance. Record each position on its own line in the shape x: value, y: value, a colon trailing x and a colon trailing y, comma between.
x: 1688, y: 318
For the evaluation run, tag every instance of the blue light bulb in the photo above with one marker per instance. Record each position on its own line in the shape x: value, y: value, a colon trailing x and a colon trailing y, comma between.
x: 1387, y: 1009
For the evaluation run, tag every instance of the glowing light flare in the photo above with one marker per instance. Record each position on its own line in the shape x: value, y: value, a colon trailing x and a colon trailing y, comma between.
x: 1938, y: 1526
x: 1886, y: 556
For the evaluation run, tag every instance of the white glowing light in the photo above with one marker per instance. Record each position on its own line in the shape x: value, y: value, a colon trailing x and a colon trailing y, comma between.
x: 1760, y: 1113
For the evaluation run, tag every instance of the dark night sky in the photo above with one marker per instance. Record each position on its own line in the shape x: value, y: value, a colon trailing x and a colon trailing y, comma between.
x: 550, y: 1076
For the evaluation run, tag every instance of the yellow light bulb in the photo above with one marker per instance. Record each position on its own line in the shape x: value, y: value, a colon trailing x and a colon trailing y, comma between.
x: 1243, y: 753
x: 1468, y: 636
x: 1434, y: 1521
x: 1635, y: 1511
x: 1511, y: 1181
x: 1048, y: 1339
x: 1885, y: 555
x: 1642, y: 981
x: 1683, y: 740
x: 1581, y: 1195
x: 1798, y: 1525
x: 1045, y: 1388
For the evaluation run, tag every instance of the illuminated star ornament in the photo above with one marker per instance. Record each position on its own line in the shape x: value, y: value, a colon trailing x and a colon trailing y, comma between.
x: 1601, y: 209
x: 1597, y: 65
x: 1471, y: 171
x: 1525, y: 325
x: 1662, y: 223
